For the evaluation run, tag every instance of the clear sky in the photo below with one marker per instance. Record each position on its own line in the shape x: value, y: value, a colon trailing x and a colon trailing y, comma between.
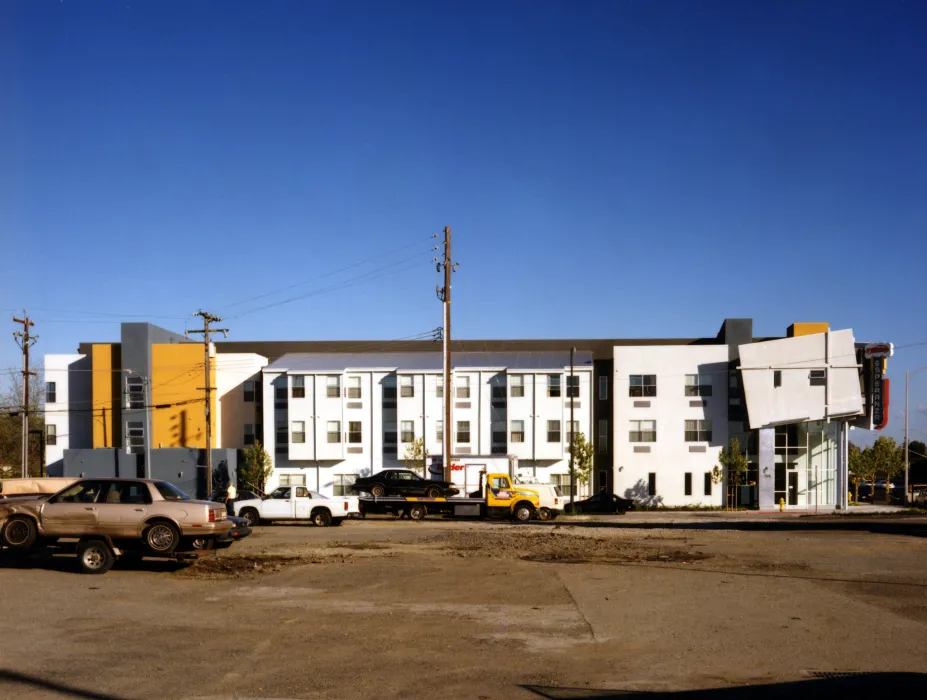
x: 621, y: 168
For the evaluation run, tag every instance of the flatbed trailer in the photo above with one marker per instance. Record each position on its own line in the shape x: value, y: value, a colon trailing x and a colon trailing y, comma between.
x: 501, y: 499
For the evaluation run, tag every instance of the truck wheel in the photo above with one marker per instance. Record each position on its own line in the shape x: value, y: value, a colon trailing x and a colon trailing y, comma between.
x: 545, y: 514
x: 252, y: 516
x: 95, y: 557
x: 20, y: 532
x: 378, y: 490
x: 162, y: 537
x: 522, y: 512
x: 337, y: 521
x: 418, y: 512
x: 322, y: 518
x: 434, y: 492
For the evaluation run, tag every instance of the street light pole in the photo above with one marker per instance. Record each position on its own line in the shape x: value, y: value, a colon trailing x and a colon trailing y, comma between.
x: 907, y: 459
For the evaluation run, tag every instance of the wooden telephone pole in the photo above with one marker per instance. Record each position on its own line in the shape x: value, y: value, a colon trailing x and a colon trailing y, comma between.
x: 444, y: 294
x: 25, y: 340
x: 206, y: 331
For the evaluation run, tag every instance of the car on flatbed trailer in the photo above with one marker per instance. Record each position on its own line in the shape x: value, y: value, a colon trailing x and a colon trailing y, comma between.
x: 498, y: 498
x: 297, y: 503
x: 403, y: 482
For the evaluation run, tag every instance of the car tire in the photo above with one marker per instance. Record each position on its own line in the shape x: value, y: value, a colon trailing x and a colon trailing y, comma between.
x: 545, y: 514
x: 20, y: 532
x: 161, y: 537
x: 252, y: 516
x: 95, y: 557
x: 321, y: 518
x: 433, y: 492
x: 337, y: 521
x: 522, y: 513
x: 378, y: 490
x: 418, y: 512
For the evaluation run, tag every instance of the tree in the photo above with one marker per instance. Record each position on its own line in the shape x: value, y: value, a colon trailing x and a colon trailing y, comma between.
x: 887, y: 458
x: 859, y: 468
x: 582, y: 459
x: 415, y: 455
x: 255, y: 468
x: 11, y: 430
x: 732, y: 466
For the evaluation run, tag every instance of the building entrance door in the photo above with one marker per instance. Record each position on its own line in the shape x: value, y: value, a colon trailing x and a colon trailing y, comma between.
x: 793, y: 488
x: 780, y: 490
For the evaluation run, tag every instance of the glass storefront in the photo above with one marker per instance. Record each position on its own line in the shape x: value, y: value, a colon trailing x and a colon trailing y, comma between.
x: 806, y: 464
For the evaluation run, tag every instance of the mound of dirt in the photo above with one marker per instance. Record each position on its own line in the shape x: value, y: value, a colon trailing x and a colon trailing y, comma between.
x: 238, y: 566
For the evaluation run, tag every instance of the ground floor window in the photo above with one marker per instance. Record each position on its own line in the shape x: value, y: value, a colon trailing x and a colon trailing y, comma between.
x: 652, y: 484
x: 343, y: 484
x: 563, y: 481
x: 292, y: 480
x: 688, y: 484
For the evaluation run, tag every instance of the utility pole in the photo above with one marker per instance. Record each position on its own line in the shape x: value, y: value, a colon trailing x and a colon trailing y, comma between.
x: 907, y: 459
x: 206, y: 331
x: 25, y: 340
x: 572, y: 433
x: 444, y: 294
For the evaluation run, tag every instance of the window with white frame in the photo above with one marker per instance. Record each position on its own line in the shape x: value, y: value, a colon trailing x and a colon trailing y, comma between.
x: 518, y: 431
x: 817, y: 377
x: 407, y: 430
x: 698, y: 431
x: 463, y: 387
x: 135, y: 436
x: 333, y: 432
x: 553, y: 385
x: 406, y: 386
x: 572, y: 428
x: 439, y: 431
x: 642, y: 385
x: 355, y: 432
x: 463, y: 432
x: 298, y: 387
x: 563, y: 482
x: 439, y: 387
x: 51, y: 434
x: 603, y: 436
x: 603, y: 388
x: 573, y: 386
x: 299, y: 431
x: 698, y: 385
x: 292, y: 480
x: 249, y: 434
x: 354, y: 387
x: 51, y: 393
x: 333, y: 386
x: 642, y: 431
x: 517, y: 385
x: 343, y: 483
x: 135, y: 392
x: 553, y: 431
x: 249, y: 391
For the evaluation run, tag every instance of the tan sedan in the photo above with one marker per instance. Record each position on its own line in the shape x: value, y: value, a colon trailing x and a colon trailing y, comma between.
x: 155, y: 514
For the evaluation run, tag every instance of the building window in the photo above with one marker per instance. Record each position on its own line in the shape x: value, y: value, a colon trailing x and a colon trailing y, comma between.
x: 498, y: 396
x: 280, y: 392
x: 573, y: 386
x: 249, y: 434
x: 439, y: 431
x: 688, y: 484
x: 553, y: 431
x: 643, y: 431
x: 698, y: 385
x: 406, y: 387
x: 777, y: 378
x: 603, y: 388
x: 708, y: 481
x: 463, y: 432
x: 355, y: 434
x: 135, y: 392
x: 698, y: 431
x: 517, y: 385
x: 333, y: 432
x: 292, y: 480
x: 389, y: 436
x: 298, y: 387
x: 562, y: 481
x: 389, y: 396
x: 463, y: 387
x: 51, y: 434
x: 135, y: 436
x: 652, y: 484
x: 498, y: 437
x: 439, y: 387
x: 732, y: 380
x: 333, y: 387
x: 553, y: 386
x: 343, y: 483
x: 408, y: 431
x: 299, y: 431
x: 572, y: 429
x: 354, y: 387
x: 51, y: 394
x: 817, y: 377
x: 249, y: 391
x: 603, y: 436
x: 643, y: 385
x: 518, y: 431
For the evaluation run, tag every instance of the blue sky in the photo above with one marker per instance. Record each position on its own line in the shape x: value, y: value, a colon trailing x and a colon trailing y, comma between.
x: 622, y: 168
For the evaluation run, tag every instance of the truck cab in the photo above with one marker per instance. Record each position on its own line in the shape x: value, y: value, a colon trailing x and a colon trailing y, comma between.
x: 297, y: 503
x: 508, y: 499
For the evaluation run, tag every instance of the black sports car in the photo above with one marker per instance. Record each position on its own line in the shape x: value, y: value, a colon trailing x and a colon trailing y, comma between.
x: 402, y: 482
x: 602, y: 503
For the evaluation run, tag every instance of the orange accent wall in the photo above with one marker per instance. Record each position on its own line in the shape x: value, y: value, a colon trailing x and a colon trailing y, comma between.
x: 106, y: 361
x: 797, y: 329
x: 177, y: 379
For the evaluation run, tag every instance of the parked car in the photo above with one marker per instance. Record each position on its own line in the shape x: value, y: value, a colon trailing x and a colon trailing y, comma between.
x: 134, y: 513
x: 297, y: 503
x: 602, y: 503
x: 403, y: 482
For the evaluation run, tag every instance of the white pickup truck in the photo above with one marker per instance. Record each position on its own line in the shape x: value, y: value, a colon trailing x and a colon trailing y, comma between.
x: 297, y: 503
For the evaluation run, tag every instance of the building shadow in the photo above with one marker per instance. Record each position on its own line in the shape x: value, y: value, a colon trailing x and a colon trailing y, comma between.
x: 847, y: 686
x: 640, y: 494
x: 14, y: 680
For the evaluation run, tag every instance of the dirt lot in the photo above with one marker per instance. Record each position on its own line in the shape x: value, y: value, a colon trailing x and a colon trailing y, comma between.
x: 381, y: 608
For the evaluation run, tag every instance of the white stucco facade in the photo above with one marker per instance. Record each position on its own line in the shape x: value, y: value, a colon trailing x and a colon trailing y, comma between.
x: 68, y: 380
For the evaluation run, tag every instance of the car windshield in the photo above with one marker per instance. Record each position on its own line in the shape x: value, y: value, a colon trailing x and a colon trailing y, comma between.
x: 169, y: 492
